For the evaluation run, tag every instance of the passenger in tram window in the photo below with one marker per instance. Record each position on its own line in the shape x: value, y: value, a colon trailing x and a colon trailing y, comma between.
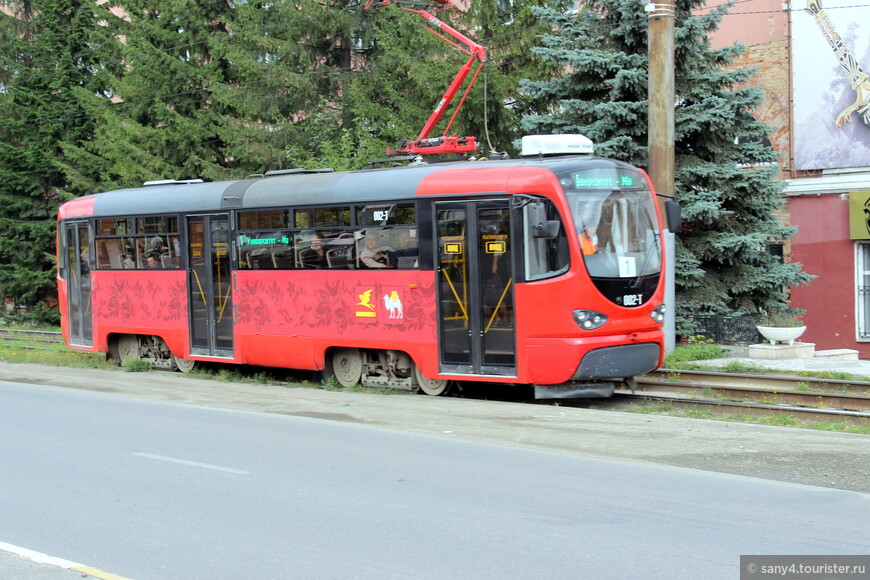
x: 374, y: 254
x: 85, y: 261
x: 126, y: 262
x: 157, y: 246
x: 315, y: 255
x: 152, y: 262
x: 406, y: 255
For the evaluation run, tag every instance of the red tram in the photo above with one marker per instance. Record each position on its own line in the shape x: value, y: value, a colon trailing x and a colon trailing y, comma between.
x: 544, y: 270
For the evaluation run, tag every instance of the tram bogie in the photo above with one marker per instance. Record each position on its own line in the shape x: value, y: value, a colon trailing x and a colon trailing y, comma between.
x: 145, y: 347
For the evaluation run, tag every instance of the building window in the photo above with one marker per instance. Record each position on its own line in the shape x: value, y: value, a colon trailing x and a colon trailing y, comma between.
x: 862, y: 294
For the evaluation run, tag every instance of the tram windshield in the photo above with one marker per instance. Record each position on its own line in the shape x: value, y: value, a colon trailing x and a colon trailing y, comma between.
x: 615, y: 218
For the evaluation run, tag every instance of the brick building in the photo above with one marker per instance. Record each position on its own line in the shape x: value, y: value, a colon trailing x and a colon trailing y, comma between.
x: 820, y: 111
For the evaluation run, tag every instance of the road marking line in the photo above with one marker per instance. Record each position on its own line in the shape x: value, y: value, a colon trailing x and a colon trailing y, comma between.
x: 97, y: 573
x: 193, y: 463
x: 41, y: 558
x: 38, y: 557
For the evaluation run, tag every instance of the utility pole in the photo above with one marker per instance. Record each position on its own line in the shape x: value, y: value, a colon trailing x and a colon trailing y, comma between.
x: 661, y: 132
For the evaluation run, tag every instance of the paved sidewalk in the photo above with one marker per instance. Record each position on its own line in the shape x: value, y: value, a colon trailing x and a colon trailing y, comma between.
x: 857, y: 368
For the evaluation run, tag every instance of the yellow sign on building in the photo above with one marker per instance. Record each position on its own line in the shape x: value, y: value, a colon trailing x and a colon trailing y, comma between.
x: 859, y: 215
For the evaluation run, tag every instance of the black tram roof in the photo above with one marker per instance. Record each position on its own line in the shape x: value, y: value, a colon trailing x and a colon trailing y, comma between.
x: 299, y: 188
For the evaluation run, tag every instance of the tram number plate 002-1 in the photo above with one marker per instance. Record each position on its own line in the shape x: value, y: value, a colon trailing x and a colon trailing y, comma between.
x: 632, y: 300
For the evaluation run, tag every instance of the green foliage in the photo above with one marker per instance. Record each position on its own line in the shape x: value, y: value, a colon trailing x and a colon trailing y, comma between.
x: 699, y: 348
x: 782, y: 317
x: 725, y: 178
x: 135, y: 365
x: 49, y: 52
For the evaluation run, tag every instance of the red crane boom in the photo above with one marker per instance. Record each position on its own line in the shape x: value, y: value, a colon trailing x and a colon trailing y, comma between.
x: 446, y: 144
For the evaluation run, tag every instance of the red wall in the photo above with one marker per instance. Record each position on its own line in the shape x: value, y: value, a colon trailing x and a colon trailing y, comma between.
x: 823, y: 246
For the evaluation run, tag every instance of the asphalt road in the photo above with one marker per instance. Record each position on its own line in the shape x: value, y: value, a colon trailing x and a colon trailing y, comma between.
x: 238, y: 481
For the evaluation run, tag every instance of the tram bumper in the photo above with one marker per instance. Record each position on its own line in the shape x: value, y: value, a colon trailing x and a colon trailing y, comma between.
x: 598, y: 390
x: 618, y: 362
x: 601, y: 368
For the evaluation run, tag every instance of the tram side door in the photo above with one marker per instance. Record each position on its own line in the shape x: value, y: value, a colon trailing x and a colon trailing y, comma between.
x: 209, y: 285
x: 476, y: 331
x: 78, y: 278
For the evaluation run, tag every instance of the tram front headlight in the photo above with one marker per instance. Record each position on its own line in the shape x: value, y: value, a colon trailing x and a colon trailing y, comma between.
x: 589, y: 319
x: 658, y: 314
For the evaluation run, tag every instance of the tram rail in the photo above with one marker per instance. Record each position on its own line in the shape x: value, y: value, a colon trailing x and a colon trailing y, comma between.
x: 755, y: 394
x: 32, y: 339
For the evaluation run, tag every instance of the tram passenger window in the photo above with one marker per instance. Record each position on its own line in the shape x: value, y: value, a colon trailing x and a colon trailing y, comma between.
x: 173, y: 258
x: 151, y: 225
x: 406, y: 254
x: 282, y: 256
x: 386, y: 215
x: 312, y: 251
x: 374, y: 250
x: 109, y: 253
x: 340, y: 250
x: 322, y: 250
x: 273, y: 219
x: 111, y: 250
x: 140, y: 252
x: 265, y: 250
x: 322, y: 217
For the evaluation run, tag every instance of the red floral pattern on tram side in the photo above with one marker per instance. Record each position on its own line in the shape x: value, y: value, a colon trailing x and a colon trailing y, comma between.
x: 276, y: 306
x: 127, y: 301
x: 117, y: 303
x: 419, y: 308
x: 259, y: 302
x: 173, y: 305
x: 330, y: 306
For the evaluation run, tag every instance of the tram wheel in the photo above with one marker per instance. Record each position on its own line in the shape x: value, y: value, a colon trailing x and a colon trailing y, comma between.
x: 183, y: 365
x: 433, y: 387
x: 128, y: 347
x: 347, y: 366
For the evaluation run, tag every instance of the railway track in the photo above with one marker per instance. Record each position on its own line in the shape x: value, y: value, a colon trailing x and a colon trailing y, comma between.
x: 756, y: 394
x: 36, y: 339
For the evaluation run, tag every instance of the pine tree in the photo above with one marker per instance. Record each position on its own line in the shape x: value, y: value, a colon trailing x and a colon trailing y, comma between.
x: 284, y: 84
x: 725, y: 175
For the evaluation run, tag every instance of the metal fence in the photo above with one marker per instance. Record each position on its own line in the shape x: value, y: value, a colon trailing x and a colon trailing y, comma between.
x: 727, y: 329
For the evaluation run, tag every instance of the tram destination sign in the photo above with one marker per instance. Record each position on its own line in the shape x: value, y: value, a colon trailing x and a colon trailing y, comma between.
x: 599, y: 180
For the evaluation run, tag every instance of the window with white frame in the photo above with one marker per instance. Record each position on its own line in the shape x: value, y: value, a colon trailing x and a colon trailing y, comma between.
x: 862, y: 290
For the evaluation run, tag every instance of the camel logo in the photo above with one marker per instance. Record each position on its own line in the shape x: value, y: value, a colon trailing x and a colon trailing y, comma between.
x: 393, y: 304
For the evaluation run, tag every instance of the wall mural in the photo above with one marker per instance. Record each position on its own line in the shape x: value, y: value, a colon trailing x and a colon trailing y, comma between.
x: 831, y: 88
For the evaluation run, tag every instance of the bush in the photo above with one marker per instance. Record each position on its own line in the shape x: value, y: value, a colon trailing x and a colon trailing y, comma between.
x: 699, y: 348
x: 135, y: 365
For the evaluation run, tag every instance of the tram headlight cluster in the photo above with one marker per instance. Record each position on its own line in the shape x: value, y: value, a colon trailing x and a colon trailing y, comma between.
x: 589, y: 319
x: 658, y: 314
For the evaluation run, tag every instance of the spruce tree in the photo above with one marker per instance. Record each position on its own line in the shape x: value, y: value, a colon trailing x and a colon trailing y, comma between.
x: 49, y: 56
x: 725, y: 173
x: 400, y: 72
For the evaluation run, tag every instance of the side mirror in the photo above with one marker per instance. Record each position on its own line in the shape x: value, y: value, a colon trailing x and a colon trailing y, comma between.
x: 552, y: 229
x: 541, y: 227
x: 673, y: 217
